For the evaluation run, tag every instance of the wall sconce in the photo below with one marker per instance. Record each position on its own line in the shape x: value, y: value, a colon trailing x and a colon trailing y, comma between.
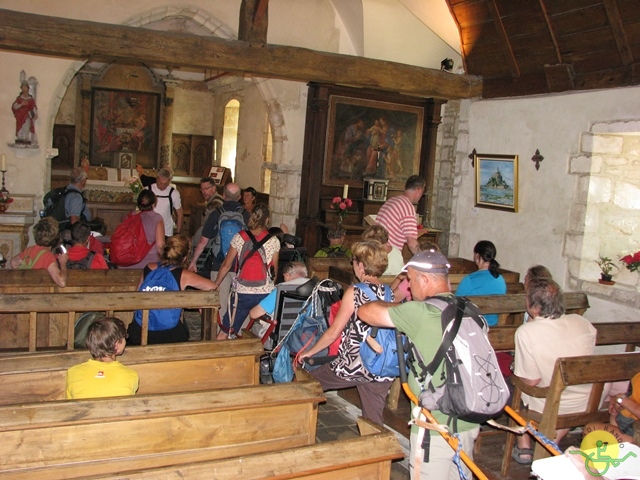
x: 446, y: 65
x: 537, y: 158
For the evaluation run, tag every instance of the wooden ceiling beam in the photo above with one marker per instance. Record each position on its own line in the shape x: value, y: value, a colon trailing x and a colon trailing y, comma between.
x: 547, y: 20
x: 619, y: 35
x: 504, y: 38
x: 61, y: 37
x: 254, y: 21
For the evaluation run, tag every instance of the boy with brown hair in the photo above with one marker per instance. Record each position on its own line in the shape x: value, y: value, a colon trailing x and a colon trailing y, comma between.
x: 103, y: 375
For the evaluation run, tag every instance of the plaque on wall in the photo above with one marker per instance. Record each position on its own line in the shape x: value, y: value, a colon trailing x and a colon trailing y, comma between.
x: 375, y: 189
x: 217, y: 173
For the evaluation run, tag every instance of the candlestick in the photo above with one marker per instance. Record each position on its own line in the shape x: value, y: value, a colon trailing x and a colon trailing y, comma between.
x: 3, y: 162
x: 4, y: 191
x: 345, y: 191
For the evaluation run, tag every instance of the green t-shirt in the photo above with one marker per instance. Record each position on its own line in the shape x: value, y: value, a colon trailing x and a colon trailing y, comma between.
x: 421, y: 323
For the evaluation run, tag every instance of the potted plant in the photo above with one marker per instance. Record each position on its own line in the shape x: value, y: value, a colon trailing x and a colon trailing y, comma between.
x: 606, y: 267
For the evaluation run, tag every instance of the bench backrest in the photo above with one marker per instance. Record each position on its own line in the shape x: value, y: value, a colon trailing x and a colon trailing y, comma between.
x: 319, y: 267
x: 81, y: 438
x: 367, y: 456
x: 180, y: 367
x: 39, y: 281
x: 26, y: 307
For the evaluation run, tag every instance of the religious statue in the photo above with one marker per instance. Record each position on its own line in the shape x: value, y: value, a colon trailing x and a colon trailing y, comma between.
x: 25, y: 111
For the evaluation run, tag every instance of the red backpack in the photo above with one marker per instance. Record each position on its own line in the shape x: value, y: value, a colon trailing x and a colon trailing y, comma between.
x: 253, y: 270
x: 129, y: 242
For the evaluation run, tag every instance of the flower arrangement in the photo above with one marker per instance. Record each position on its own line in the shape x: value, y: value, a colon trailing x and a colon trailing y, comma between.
x: 5, y: 200
x: 340, y: 205
x: 135, y: 185
x: 632, y: 262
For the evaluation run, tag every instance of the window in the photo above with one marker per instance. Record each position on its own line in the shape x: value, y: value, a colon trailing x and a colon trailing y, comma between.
x: 230, y: 136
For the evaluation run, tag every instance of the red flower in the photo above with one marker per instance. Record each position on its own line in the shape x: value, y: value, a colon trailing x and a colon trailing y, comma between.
x: 343, y: 206
x: 336, y: 200
x: 348, y: 202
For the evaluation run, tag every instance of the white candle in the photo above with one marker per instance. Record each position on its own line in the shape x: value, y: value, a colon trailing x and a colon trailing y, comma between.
x: 345, y: 190
x: 3, y: 163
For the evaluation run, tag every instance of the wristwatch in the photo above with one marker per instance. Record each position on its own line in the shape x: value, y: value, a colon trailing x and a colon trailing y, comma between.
x: 619, y: 400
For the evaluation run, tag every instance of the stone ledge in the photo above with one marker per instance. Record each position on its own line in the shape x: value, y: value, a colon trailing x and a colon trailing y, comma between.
x: 619, y: 293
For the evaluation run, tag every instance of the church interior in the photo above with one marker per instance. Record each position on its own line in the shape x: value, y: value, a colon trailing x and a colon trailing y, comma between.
x: 540, y: 97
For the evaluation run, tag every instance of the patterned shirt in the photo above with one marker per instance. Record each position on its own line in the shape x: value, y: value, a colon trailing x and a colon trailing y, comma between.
x: 398, y: 216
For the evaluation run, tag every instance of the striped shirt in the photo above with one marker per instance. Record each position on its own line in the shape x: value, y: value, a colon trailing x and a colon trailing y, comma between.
x: 398, y: 216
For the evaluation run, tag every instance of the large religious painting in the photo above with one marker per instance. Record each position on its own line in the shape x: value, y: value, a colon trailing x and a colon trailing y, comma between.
x: 124, y: 125
x: 497, y: 181
x: 367, y: 138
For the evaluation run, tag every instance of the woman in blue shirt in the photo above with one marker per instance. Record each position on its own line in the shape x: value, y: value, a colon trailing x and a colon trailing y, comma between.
x: 487, y: 280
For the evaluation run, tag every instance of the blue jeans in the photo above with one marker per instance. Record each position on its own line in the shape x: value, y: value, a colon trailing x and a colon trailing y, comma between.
x: 240, y: 306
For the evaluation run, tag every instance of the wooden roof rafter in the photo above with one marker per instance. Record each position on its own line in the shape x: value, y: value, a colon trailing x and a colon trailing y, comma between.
x: 617, y: 29
x: 504, y: 38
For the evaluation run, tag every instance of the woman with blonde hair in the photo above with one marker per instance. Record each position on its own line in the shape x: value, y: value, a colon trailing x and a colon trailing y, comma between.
x: 170, y: 274
x: 253, y: 252
x: 346, y: 371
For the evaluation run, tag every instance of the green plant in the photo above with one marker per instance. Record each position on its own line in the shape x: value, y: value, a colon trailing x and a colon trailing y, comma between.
x: 606, y: 265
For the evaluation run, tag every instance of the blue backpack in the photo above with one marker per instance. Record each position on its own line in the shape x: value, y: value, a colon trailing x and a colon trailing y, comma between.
x: 160, y: 280
x: 230, y: 223
x: 382, y: 363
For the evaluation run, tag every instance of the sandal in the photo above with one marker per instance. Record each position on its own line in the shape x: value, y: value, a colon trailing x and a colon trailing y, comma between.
x: 518, y: 453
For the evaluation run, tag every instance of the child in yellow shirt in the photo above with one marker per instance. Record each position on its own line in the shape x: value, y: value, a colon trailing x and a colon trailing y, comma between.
x: 103, y: 375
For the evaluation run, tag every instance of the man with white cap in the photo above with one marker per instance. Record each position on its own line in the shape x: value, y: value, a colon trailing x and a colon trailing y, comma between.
x: 420, y: 321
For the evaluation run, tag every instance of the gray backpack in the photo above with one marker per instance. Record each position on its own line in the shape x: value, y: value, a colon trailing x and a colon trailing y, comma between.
x: 474, y: 389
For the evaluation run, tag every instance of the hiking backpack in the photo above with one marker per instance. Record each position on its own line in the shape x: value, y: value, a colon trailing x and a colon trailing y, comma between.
x: 379, y: 349
x: 253, y: 268
x: 82, y: 264
x: 473, y: 388
x: 230, y: 222
x: 129, y: 242
x: 54, y: 204
x: 340, y: 252
x: 160, y: 280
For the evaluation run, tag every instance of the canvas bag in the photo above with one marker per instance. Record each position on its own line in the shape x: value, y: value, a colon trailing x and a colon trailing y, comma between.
x: 160, y: 280
x: 384, y: 364
x: 474, y: 389
x: 129, y: 242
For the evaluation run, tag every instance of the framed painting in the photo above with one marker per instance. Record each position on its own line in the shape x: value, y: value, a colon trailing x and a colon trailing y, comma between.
x: 124, y: 123
x: 368, y: 138
x: 497, y: 181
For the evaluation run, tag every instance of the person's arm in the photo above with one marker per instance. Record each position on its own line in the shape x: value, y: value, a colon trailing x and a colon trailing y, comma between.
x: 628, y: 403
x: 160, y: 236
x: 226, y: 266
x: 73, y: 219
x: 190, y: 279
x: 197, y: 252
x: 376, y: 314
x: 274, y: 262
x: 180, y: 214
x: 413, y: 244
x: 59, y: 274
x: 335, y: 330
x: 257, y: 311
x: 15, y: 262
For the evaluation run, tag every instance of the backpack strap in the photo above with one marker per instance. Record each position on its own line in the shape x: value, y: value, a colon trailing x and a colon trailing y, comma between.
x: 257, y: 245
x: 32, y: 261
x: 370, y: 293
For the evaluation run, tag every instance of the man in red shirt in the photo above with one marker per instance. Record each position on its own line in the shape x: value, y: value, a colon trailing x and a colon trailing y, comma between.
x: 398, y: 215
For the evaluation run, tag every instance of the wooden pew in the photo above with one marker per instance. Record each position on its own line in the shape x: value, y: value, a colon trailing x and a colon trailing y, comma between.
x: 511, y: 307
x: 368, y: 456
x: 319, y: 267
x: 78, y: 281
x: 346, y: 278
x: 81, y: 438
x: 592, y: 369
x: 178, y: 367
x: 26, y: 307
x: 51, y: 325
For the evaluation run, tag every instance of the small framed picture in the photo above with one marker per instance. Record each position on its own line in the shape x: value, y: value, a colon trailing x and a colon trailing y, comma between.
x: 497, y: 181
x: 126, y: 160
x: 217, y: 173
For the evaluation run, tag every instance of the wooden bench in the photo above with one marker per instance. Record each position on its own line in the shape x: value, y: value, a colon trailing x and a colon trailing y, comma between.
x: 178, y: 367
x: 26, y: 307
x: 592, y: 369
x: 81, y: 438
x: 319, y: 267
x: 78, y: 281
x: 346, y: 277
x: 511, y: 307
x: 367, y: 456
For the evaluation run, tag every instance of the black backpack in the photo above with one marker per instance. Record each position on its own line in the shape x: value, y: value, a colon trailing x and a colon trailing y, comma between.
x: 54, y: 204
x: 82, y: 264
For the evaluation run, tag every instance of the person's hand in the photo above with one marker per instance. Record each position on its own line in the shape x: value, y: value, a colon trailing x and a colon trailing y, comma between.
x: 302, y: 356
x: 192, y: 267
x: 614, y: 406
x: 215, y: 286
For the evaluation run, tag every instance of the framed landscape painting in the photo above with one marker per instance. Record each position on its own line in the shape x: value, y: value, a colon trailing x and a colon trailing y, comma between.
x: 497, y: 181
x: 369, y: 138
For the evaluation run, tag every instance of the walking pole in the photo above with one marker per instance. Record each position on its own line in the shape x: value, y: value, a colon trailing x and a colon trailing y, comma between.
x: 450, y: 439
x: 531, y: 428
